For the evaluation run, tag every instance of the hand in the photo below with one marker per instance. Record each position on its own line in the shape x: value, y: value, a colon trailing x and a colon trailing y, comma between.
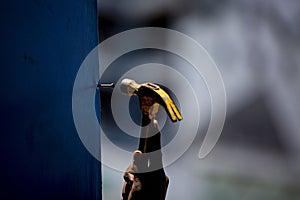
x: 142, y: 184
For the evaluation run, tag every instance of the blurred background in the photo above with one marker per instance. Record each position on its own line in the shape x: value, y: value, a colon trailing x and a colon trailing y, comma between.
x: 256, y: 46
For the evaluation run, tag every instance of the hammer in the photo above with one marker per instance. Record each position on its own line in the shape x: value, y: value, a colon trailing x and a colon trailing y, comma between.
x: 150, y: 97
x: 145, y: 177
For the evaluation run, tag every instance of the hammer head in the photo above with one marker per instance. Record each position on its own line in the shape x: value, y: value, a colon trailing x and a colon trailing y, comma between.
x: 129, y: 87
x: 150, y: 94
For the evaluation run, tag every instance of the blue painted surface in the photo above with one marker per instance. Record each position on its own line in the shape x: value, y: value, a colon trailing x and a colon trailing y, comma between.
x: 43, y: 43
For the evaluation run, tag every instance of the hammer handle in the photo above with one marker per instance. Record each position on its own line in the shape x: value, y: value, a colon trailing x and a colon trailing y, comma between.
x: 149, y: 143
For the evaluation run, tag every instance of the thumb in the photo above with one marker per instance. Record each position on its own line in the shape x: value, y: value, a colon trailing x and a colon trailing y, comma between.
x: 140, y: 161
x: 137, y: 157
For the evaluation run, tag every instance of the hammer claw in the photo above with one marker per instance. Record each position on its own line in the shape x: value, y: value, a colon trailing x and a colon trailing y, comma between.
x: 170, y: 111
x: 176, y: 111
x: 170, y: 107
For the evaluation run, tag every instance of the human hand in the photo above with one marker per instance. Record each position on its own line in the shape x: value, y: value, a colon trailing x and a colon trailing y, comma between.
x: 143, y: 184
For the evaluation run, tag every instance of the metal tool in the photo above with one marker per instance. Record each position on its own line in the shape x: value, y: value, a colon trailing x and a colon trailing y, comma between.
x: 151, y: 94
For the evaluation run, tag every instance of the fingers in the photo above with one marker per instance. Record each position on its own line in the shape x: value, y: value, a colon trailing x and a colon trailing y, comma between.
x: 140, y: 162
x: 144, y: 185
x: 126, y: 190
x: 136, y: 156
x: 132, y: 184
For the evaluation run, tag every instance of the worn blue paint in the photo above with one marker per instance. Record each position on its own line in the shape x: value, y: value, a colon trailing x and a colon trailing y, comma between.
x: 43, y: 43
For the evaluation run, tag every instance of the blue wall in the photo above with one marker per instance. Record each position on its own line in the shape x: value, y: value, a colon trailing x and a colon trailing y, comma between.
x: 43, y: 43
